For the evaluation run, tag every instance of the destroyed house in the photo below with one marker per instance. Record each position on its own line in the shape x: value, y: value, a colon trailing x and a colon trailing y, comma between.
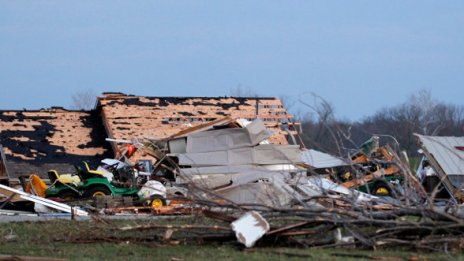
x: 40, y: 140
x: 130, y: 116
x: 35, y: 141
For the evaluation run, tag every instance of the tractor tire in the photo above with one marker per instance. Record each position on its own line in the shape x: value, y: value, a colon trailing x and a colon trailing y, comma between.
x: 382, y: 189
x: 68, y: 195
x: 157, y: 201
x: 97, y: 191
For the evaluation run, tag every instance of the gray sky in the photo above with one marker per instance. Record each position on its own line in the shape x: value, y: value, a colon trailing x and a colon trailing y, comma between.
x: 358, y: 55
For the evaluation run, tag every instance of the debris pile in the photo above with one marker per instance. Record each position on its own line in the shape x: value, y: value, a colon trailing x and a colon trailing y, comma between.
x: 261, y: 193
x: 237, y: 164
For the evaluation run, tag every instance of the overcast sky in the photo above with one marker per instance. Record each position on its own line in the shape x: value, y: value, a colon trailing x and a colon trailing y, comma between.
x: 358, y: 55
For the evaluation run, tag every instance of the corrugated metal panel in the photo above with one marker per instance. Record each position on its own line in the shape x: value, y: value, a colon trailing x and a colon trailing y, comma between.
x: 319, y: 159
x: 226, y: 139
x: 447, y: 151
x: 265, y: 154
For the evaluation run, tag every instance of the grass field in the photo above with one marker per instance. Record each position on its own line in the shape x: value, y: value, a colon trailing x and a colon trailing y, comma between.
x: 92, y: 240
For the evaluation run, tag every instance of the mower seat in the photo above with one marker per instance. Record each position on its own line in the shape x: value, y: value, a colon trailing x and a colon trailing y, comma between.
x: 85, y: 172
x: 63, y: 178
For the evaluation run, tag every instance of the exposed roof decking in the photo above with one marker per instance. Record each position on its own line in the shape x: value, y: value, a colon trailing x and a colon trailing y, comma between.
x: 128, y: 116
x: 52, y: 136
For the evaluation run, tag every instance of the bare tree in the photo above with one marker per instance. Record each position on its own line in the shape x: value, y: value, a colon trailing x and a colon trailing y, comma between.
x: 84, y: 100
x: 419, y: 114
x: 287, y: 101
x: 324, y: 131
x: 423, y: 106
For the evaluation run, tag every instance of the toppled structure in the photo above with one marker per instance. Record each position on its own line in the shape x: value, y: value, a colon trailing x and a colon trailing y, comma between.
x: 232, y: 160
x: 445, y: 155
x: 235, y: 164
x: 129, y: 116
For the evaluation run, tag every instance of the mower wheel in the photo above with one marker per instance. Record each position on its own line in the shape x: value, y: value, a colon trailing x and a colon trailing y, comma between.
x: 68, y: 195
x: 97, y: 191
x: 157, y: 201
x: 383, y: 189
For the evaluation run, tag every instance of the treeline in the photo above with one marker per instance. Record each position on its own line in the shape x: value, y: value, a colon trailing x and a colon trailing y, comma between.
x: 420, y: 114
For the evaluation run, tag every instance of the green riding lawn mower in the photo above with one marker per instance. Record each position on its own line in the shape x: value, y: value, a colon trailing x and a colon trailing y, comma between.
x: 111, y: 178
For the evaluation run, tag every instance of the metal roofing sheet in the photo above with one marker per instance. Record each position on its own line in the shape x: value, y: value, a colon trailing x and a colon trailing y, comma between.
x: 448, y: 151
x: 319, y: 159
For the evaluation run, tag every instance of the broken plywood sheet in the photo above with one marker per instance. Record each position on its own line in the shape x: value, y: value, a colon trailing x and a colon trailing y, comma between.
x: 265, y: 154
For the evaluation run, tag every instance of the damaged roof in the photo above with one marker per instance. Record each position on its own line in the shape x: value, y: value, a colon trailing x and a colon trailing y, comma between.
x: 130, y: 116
x: 51, y: 138
x: 448, y: 152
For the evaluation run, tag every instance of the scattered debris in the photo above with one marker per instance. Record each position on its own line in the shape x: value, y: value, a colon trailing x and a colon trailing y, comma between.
x: 240, y: 174
x: 249, y: 228
x: 7, y: 191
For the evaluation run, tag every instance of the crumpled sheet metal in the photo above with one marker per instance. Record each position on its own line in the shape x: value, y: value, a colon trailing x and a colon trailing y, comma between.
x: 226, y: 139
x: 265, y: 154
